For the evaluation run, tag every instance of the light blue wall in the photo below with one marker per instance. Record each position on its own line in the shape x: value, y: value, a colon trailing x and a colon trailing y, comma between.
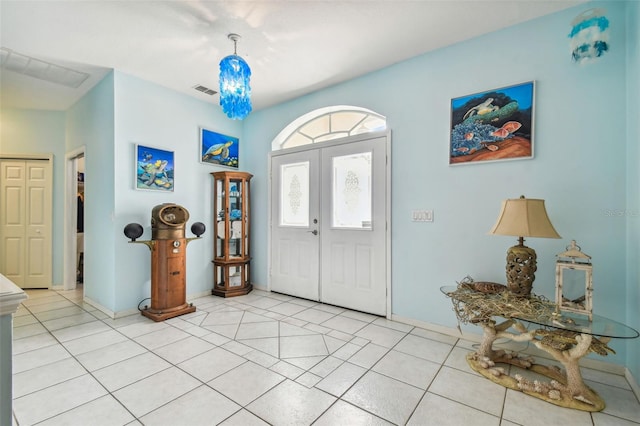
x: 151, y: 115
x: 40, y: 132
x: 633, y: 183
x: 90, y: 123
x: 579, y: 166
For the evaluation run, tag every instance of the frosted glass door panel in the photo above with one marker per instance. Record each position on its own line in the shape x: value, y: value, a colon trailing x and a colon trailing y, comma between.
x: 294, y: 194
x: 351, y: 191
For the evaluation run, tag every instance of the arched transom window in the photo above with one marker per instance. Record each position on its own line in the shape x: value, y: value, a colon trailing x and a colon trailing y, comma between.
x: 328, y: 123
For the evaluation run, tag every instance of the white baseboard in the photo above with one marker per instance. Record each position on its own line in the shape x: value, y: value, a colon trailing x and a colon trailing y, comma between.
x: 108, y: 312
x: 261, y: 287
x: 194, y: 296
x: 101, y: 308
x: 633, y: 383
x: 122, y: 314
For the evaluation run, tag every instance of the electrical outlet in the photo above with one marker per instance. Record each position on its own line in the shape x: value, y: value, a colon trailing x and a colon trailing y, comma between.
x: 422, y: 215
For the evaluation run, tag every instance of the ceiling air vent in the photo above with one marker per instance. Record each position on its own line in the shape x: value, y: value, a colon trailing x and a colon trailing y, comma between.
x: 22, y: 64
x: 205, y: 90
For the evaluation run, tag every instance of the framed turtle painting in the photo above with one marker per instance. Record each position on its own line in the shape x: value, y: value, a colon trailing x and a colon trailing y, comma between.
x: 155, y: 169
x: 216, y: 148
x: 492, y: 126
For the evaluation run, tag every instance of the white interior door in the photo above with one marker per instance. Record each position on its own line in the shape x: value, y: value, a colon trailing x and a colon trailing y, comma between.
x: 25, y: 222
x: 329, y: 224
x: 295, y: 215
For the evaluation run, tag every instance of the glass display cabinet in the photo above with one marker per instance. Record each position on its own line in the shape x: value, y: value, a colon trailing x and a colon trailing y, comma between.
x: 231, y: 258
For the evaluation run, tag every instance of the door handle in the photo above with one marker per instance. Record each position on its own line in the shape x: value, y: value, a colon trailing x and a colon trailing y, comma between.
x: 314, y: 232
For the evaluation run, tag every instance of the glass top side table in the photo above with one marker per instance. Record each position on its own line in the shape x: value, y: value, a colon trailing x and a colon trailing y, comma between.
x: 566, y: 337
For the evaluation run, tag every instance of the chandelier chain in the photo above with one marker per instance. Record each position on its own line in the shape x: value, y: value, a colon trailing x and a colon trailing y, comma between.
x: 234, y: 38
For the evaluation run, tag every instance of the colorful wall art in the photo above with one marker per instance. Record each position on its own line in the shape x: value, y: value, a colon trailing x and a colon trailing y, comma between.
x: 216, y: 148
x: 493, y: 125
x: 154, y: 169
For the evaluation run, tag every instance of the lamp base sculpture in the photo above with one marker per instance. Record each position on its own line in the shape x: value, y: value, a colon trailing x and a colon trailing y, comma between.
x: 521, y: 268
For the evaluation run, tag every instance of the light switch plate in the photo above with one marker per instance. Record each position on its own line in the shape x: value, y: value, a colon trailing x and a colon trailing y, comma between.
x: 422, y: 215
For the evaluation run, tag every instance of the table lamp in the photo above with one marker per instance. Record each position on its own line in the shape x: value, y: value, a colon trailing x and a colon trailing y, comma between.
x: 523, y: 217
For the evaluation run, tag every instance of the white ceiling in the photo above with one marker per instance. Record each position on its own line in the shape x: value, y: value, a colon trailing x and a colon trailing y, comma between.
x: 293, y: 47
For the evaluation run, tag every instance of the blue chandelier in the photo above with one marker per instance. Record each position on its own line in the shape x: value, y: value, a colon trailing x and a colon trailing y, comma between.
x: 235, y: 88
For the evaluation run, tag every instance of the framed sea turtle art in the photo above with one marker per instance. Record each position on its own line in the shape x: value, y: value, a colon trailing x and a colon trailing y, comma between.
x: 155, y: 168
x: 494, y: 125
x: 219, y: 149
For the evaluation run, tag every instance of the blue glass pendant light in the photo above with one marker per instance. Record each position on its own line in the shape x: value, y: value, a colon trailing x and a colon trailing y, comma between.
x: 235, y: 88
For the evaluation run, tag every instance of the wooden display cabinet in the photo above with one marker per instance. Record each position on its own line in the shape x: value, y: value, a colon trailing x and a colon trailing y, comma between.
x: 231, y: 275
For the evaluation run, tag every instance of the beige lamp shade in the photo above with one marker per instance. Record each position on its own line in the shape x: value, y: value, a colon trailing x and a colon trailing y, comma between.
x: 524, y: 217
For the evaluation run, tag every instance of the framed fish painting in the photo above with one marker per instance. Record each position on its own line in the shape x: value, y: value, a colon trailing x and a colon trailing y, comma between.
x: 494, y: 125
x: 216, y: 148
x: 155, y: 169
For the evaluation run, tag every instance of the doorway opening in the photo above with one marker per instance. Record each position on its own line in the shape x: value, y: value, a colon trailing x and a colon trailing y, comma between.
x: 75, y: 173
x: 329, y: 233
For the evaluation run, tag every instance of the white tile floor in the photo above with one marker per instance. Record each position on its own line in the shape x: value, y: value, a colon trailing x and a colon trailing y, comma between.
x: 262, y: 359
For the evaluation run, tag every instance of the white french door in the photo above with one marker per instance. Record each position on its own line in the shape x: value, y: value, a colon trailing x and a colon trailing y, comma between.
x: 295, y: 215
x: 329, y: 223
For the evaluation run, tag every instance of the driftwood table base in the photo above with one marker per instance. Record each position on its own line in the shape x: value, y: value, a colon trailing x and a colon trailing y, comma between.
x: 564, y: 336
x: 565, y: 388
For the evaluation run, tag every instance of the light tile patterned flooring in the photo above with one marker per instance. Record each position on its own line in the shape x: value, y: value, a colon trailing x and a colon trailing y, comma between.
x: 259, y: 359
